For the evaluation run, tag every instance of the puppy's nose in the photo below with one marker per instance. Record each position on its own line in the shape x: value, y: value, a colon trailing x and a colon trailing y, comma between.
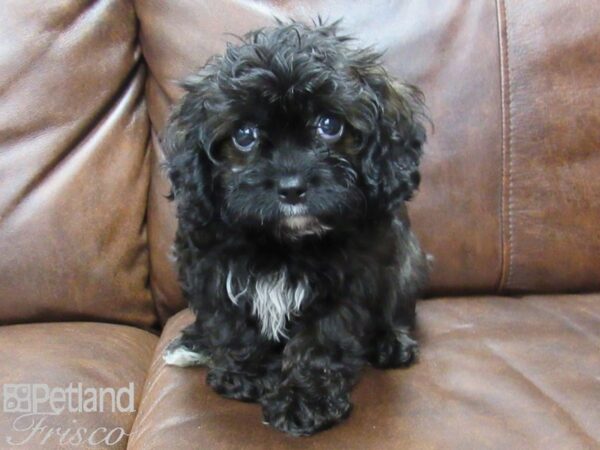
x: 292, y: 189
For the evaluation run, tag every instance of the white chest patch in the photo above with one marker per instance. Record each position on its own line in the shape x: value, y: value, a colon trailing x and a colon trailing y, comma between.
x: 275, y: 299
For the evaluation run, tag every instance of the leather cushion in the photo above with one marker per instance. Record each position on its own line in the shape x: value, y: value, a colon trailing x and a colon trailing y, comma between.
x: 426, y: 45
x: 508, y: 198
x: 551, y: 145
x: 74, y: 169
x: 494, y: 373
x: 58, y: 354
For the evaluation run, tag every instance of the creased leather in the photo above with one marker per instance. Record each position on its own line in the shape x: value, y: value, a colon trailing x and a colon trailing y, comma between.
x: 58, y: 354
x: 74, y: 166
x: 494, y: 373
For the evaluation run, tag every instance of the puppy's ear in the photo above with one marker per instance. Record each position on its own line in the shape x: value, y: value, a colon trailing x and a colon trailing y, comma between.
x: 188, y: 166
x: 390, y: 164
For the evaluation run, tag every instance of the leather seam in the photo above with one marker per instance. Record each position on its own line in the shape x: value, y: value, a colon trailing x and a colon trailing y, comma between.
x: 506, y: 219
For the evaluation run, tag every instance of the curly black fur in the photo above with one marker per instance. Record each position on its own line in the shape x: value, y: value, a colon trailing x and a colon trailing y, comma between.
x: 349, y: 271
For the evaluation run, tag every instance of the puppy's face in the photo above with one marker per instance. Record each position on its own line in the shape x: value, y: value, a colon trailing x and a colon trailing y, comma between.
x: 289, y: 162
x: 295, y: 133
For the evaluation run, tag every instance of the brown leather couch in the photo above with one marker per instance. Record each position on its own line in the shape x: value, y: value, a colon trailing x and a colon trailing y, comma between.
x: 509, y: 207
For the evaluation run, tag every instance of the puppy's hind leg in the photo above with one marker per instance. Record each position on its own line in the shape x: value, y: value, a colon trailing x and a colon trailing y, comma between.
x: 393, y: 345
x: 186, y: 350
x: 394, y: 348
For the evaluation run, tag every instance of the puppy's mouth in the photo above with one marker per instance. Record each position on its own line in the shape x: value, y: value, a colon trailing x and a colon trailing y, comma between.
x: 297, y: 221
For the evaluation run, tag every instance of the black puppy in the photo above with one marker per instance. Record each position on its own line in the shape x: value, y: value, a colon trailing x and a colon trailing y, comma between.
x: 291, y: 158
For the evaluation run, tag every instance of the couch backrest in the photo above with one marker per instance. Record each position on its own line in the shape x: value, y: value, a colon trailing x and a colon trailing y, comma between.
x: 74, y: 163
x: 510, y: 199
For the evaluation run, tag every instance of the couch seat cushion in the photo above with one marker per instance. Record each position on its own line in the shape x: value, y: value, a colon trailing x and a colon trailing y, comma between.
x: 494, y: 373
x: 52, y: 375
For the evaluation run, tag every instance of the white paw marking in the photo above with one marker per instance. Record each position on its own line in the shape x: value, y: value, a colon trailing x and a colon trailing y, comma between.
x: 184, y: 357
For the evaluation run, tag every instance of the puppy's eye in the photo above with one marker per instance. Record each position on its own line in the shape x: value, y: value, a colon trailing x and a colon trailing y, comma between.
x: 245, y: 138
x: 329, y: 128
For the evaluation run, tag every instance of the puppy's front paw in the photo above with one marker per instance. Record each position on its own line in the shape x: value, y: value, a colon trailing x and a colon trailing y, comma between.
x: 395, y: 350
x: 238, y: 385
x: 180, y: 354
x: 293, y: 411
